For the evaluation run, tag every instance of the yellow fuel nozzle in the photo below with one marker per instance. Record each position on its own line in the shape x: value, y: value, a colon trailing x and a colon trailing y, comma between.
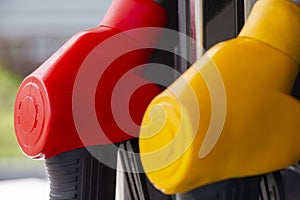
x: 231, y: 114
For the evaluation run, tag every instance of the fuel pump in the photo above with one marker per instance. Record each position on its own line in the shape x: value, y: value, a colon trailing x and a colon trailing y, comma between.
x: 77, y: 153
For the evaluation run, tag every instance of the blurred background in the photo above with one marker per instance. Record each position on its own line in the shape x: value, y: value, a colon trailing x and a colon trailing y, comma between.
x: 31, y: 31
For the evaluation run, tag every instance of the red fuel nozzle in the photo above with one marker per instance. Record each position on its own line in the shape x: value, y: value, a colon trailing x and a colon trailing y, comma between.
x: 44, y: 122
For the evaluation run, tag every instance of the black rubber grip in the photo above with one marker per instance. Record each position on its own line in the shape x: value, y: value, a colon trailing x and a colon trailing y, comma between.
x: 78, y: 175
x: 234, y: 189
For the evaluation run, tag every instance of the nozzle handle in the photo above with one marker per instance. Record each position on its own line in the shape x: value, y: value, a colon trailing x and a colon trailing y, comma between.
x: 79, y: 175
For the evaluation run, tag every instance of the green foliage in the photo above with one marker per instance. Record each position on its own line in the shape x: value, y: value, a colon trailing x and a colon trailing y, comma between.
x: 9, y: 84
